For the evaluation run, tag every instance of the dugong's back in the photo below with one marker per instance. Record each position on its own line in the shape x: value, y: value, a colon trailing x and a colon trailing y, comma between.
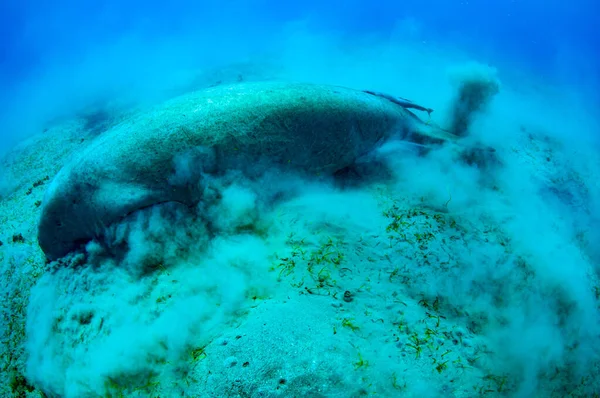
x: 314, y: 128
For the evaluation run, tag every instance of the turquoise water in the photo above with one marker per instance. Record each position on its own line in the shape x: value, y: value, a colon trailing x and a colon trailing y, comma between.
x: 454, y: 254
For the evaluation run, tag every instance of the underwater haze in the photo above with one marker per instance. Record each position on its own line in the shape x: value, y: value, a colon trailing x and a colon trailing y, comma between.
x: 300, y: 199
x: 88, y: 48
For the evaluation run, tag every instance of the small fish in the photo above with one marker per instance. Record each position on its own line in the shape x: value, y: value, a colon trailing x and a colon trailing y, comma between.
x: 403, y: 102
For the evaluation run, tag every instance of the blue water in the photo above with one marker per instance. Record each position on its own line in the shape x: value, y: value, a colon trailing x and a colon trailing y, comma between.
x: 58, y: 57
x: 539, y: 33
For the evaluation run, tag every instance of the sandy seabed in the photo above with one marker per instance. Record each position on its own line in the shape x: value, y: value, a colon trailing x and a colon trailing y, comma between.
x: 430, y: 274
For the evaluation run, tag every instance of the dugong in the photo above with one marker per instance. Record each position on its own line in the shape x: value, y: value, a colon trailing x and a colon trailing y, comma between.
x: 304, y: 127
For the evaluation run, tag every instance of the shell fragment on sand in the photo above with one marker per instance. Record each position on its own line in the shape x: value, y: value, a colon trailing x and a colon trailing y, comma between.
x: 304, y: 127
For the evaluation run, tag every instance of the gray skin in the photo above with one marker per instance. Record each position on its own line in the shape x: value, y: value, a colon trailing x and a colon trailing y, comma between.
x: 314, y: 129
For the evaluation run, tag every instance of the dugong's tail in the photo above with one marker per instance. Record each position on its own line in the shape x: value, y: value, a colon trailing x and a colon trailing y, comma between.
x: 473, y: 96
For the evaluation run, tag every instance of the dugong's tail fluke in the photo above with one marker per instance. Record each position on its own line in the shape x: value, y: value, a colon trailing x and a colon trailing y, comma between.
x: 475, y: 91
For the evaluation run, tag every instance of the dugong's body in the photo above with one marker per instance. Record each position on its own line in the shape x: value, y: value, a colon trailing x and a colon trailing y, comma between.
x: 314, y: 128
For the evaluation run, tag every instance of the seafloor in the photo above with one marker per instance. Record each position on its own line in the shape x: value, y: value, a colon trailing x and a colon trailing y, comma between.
x: 442, y: 277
